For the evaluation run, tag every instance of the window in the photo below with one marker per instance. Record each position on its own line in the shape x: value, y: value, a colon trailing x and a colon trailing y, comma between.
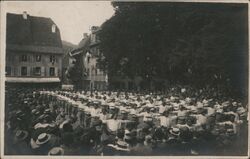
x: 52, y: 71
x: 24, y: 58
x: 98, y: 51
x: 52, y: 58
x: 38, y: 58
x: 97, y: 38
x: 37, y: 71
x: 24, y: 71
x: 8, y: 70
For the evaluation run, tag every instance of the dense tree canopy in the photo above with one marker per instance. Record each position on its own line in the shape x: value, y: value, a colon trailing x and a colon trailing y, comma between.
x: 182, y: 42
x: 76, y: 72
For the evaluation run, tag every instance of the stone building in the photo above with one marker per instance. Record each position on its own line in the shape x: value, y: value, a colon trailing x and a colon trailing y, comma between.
x: 33, y: 50
x: 88, y: 53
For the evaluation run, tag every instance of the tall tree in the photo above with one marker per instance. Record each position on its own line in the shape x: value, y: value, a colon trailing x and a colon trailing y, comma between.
x: 187, y: 43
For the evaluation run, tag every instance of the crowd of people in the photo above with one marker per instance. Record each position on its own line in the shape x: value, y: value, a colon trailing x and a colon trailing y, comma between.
x: 60, y: 122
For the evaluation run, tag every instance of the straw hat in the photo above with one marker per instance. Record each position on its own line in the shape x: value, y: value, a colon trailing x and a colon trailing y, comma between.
x: 230, y: 132
x: 21, y: 135
x: 43, y: 138
x: 122, y: 144
x: 56, y: 151
x: 175, y: 131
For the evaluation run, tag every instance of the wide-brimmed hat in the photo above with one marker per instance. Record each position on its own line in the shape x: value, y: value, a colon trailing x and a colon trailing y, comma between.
x: 225, y: 104
x: 43, y: 138
x: 40, y: 125
x: 148, y: 138
x: 122, y: 144
x: 56, y: 151
x: 21, y: 135
x: 230, y: 132
x: 124, y: 112
x: 18, y: 112
x: 234, y: 104
x: 175, y: 131
x: 46, y: 110
x: 33, y: 111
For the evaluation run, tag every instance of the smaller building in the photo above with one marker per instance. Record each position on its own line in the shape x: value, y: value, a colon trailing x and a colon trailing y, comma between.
x: 88, y: 49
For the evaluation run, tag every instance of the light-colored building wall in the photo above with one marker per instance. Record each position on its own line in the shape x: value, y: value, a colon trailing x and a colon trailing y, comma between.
x: 14, y: 64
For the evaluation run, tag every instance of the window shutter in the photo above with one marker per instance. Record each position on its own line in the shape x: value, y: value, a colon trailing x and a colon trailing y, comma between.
x: 56, y: 71
x: 45, y: 71
x: 31, y: 71
x: 28, y: 71
x: 42, y: 71
x: 19, y: 71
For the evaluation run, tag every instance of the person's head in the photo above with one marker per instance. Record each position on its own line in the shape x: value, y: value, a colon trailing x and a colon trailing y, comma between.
x: 120, y: 133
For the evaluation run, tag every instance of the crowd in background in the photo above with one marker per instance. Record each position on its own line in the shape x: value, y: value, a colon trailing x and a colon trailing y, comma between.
x: 182, y: 121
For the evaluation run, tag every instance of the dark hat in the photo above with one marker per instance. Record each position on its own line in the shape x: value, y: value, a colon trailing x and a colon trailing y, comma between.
x: 21, y: 135
x: 56, y: 151
x: 175, y: 131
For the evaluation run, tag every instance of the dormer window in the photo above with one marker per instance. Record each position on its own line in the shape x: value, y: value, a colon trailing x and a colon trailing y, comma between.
x: 25, y: 15
x: 53, y: 28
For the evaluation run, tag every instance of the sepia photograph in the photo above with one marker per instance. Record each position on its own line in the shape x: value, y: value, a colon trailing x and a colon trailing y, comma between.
x: 124, y: 78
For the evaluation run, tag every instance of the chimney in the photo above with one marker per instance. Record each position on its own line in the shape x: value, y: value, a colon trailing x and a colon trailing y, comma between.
x: 25, y: 15
x: 85, y: 35
x: 94, y: 28
x: 53, y: 28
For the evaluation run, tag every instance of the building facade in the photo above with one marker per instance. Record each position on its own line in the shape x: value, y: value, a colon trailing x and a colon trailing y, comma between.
x: 97, y: 77
x: 33, y: 50
x: 88, y: 48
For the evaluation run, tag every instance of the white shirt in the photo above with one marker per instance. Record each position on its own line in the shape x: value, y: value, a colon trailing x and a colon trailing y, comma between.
x: 201, y: 119
x: 104, y: 116
x: 113, y: 125
x: 164, y: 121
x: 210, y: 111
x: 162, y: 109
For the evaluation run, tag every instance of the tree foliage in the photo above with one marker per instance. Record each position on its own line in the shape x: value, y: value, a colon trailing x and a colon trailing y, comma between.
x: 182, y: 42
x: 76, y: 73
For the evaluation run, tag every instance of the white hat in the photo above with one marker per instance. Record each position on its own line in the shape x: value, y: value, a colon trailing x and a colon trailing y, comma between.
x: 183, y: 90
x: 175, y: 131
x: 219, y: 111
x: 234, y: 103
x: 43, y: 138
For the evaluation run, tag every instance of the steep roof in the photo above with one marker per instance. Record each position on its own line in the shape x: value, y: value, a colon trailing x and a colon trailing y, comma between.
x: 33, y: 32
x: 82, y: 47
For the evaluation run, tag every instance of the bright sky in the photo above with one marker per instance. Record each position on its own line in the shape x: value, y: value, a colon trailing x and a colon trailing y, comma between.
x: 73, y: 18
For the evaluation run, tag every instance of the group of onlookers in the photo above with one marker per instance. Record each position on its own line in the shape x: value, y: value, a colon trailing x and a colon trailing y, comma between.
x: 58, y: 122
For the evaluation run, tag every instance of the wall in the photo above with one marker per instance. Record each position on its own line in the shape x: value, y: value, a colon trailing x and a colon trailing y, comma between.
x: 13, y: 60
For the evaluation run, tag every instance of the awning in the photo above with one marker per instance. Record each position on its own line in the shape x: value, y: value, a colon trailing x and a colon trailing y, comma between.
x: 31, y: 80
